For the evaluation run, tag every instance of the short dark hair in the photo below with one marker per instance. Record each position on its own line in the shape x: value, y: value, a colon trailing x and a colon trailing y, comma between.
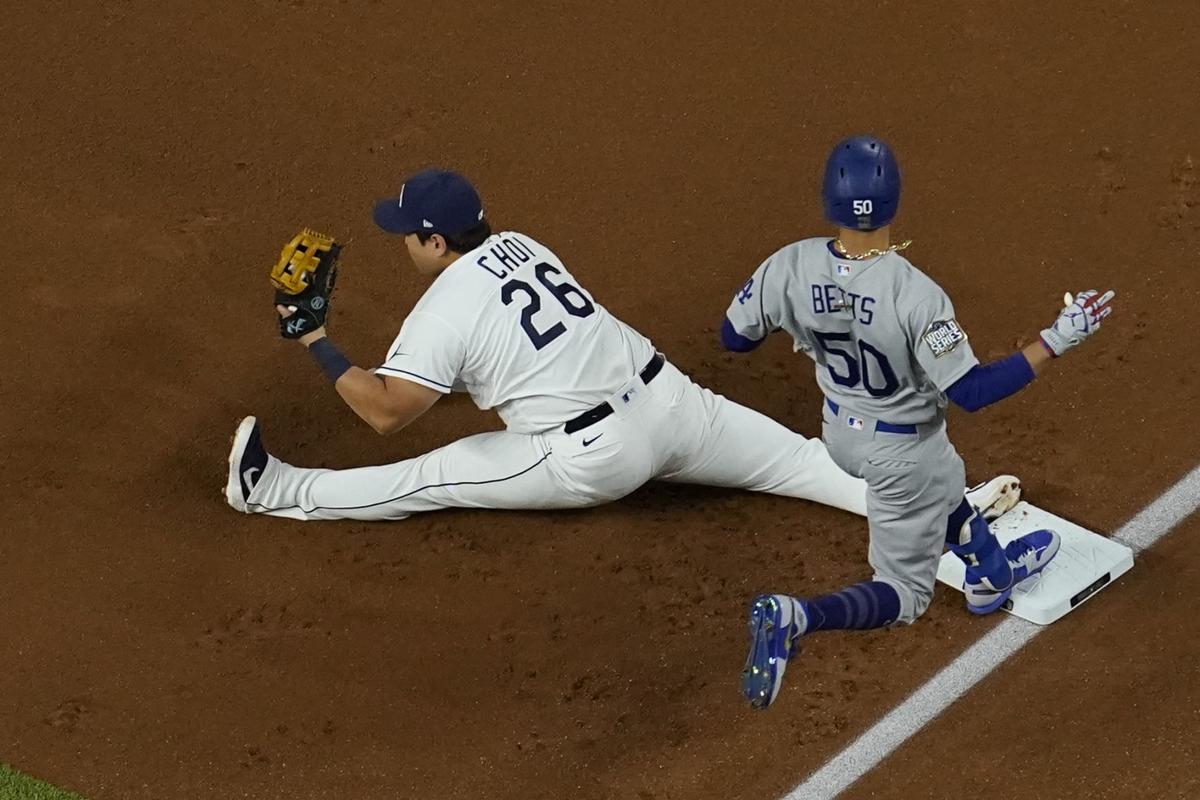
x: 465, y: 242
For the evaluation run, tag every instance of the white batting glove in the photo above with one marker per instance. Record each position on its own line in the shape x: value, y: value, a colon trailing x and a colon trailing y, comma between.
x: 1079, y: 320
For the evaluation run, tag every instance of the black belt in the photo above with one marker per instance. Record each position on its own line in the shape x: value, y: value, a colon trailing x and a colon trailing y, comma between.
x: 594, y: 415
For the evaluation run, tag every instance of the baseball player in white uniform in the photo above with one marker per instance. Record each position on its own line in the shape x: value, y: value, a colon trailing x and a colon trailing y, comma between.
x: 591, y: 410
x: 889, y: 355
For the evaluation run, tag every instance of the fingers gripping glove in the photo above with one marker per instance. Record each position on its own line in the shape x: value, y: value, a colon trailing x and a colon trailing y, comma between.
x: 1079, y: 320
x: 304, y: 278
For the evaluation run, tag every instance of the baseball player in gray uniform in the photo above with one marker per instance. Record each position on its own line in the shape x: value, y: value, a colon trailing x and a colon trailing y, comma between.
x: 889, y: 354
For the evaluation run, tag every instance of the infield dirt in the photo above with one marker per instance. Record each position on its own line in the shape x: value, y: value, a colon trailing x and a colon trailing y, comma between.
x: 156, y: 155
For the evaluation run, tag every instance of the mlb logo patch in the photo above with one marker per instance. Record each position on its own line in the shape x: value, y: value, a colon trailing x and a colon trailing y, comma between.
x: 943, y: 336
x: 843, y: 269
x: 854, y: 422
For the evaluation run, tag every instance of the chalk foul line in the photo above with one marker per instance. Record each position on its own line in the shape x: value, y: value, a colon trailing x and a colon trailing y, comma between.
x: 977, y: 661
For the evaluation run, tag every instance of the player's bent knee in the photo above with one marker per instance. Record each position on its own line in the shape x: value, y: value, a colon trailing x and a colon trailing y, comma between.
x: 922, y: 599
x: 914, y: 600
x: 912, y: 606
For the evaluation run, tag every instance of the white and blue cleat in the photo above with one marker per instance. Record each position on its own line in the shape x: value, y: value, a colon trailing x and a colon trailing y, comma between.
x: 777, y: 623
x: 1027, y: 556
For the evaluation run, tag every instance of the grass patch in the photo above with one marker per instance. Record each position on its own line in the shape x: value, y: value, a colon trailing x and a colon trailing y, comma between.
x: 16, y: 786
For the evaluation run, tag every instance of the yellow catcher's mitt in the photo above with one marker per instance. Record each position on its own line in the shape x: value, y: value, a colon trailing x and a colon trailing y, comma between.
x: 304, y: 278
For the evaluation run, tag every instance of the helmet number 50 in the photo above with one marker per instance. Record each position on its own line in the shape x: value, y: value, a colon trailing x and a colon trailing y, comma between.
x: 863, y: 207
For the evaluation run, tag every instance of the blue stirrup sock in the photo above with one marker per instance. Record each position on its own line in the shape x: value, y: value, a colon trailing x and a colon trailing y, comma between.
x: 872, y: 604
x: 875, y: 604
x: 969, y: 537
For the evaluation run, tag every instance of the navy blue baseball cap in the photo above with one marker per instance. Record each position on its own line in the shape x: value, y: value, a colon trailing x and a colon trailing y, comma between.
x: 433, y: 201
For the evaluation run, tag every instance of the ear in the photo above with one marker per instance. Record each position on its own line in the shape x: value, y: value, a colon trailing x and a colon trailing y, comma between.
x: 439, y: 244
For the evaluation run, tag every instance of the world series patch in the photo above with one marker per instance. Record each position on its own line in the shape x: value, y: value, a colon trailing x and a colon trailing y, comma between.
x: 943, y: 336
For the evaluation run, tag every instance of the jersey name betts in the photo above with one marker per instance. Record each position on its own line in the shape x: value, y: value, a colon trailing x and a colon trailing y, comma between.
x: 883, y: 334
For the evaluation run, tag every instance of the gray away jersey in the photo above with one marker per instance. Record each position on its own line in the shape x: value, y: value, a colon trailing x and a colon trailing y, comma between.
x: 883, y: 334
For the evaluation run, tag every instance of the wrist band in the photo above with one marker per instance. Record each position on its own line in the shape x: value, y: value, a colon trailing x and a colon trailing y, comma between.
x: 329, y: 358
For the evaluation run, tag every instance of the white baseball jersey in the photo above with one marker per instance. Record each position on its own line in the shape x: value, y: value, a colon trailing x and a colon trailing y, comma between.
x: 883, y: 333
x: 508, y: 323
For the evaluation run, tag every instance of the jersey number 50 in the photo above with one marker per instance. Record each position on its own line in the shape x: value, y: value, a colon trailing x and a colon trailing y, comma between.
x: 571, y: 297
x: 857, y: 370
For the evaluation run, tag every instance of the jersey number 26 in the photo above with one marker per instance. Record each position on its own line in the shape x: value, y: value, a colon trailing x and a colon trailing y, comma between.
x: 571, y: 297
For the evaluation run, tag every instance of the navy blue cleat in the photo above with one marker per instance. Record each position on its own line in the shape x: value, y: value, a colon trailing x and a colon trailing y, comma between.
x: 777, y: 623
x: 1027, y: 556
x: 247, y: 462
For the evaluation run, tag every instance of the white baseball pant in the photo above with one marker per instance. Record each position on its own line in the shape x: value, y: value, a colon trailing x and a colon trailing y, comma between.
x: 670, y: 429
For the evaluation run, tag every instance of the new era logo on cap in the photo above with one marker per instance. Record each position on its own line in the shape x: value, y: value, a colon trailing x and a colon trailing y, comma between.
x: 435, y: 201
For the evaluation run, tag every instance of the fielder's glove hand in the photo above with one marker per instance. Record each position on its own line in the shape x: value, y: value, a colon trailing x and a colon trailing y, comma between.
x: 304, y: 278
x: 1078, y: 320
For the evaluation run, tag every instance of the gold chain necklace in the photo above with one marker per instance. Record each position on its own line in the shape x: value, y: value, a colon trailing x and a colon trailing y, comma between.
x: 895, y: 248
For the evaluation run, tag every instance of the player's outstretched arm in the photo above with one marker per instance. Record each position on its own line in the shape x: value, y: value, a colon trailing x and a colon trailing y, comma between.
x: 387, y: 404
x: 990, y: 383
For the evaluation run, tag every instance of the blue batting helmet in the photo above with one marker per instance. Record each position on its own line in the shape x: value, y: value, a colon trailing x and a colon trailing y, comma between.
x: 862, y: 184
